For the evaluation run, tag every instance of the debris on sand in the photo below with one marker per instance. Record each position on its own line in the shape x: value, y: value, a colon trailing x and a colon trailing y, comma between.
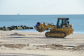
x: 16, y: 34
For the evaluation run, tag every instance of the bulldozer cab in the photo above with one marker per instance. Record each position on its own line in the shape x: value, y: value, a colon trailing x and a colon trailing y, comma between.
x: 63, y: 22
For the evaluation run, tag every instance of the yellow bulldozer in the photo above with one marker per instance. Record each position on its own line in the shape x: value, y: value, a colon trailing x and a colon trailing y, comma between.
x: 61, y: 30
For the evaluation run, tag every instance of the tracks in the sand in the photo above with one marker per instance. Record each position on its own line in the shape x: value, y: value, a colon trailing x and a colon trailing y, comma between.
x: 13, y: 54
x: 71, y: 40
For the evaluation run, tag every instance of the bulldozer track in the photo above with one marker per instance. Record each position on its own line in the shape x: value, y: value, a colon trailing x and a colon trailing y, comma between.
x: 56, y: 34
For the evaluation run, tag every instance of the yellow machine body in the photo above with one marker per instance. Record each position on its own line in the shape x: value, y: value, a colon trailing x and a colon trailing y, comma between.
x: 54, y: 30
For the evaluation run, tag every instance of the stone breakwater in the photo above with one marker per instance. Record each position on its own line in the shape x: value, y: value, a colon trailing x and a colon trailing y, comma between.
x: 20, y: 27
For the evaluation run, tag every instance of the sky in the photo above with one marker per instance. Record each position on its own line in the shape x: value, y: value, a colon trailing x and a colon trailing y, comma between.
x: 43, y: 7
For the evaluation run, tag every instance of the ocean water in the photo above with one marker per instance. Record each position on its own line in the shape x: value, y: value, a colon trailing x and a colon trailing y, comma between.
x: 30, y: 20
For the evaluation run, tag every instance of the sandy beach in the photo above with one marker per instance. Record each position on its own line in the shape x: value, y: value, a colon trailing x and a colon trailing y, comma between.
x: 36, y: 44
